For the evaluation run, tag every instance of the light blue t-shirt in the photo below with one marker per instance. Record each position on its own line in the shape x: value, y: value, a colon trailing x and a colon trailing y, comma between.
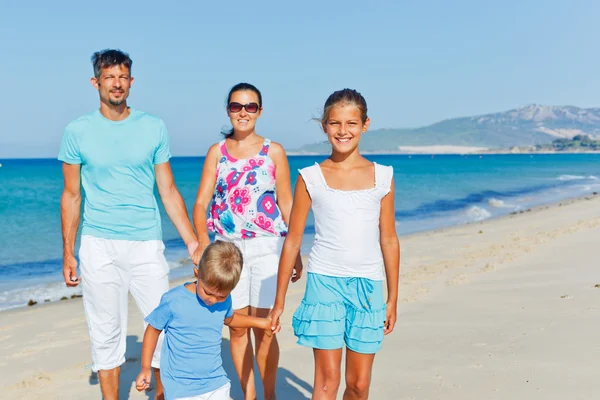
x: 117, y: 173
x: 190, y: 363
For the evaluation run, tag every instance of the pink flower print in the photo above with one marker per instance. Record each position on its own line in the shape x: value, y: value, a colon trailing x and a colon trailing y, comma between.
x: 210, y: 225
x: 265, y: 150
x: 234, y: 177
x: 267, y: 205
x: 221, y: 189
x: 251, y: 178
x: 248, y: 234
x: 239, y: 199
x: 253, y: 163
x: 271, y: 173
x: 226, y: 153
x: 264, y: 222
x: 217, y: 209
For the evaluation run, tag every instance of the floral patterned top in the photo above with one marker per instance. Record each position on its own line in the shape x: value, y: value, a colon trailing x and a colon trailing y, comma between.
x: 244, y: 204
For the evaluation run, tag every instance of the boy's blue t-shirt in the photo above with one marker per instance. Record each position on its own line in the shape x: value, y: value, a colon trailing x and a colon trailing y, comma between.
x: 117, y: 161
x: 190, y: 363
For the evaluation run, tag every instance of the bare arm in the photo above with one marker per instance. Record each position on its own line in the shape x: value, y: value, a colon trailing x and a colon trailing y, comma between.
x: 390, y: 247
x: 247, y: 321
x: 70, y: 212
x: 206, y: 190
x: 291, y: 246
x: 284, y: 193
x: 173, y: 202
x: 148, y: 347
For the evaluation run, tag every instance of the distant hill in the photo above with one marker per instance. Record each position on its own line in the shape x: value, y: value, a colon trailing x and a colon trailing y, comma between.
x: 524, y: 126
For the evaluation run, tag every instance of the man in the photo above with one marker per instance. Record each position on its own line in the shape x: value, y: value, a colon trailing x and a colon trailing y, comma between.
x: 116, y: 154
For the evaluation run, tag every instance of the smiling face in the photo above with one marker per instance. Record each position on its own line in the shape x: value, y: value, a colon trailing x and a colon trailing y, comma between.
x: 209, y: 295
x: 344, y: 127
x: 243, y: 121
x: 113, y: 84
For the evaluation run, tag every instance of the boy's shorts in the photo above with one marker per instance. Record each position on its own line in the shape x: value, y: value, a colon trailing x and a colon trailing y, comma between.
x: 258, y: 281
x: 341, y: 311
x: 221, y: 393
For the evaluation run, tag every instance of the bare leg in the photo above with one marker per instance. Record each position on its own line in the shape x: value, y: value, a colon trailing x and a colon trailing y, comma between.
x: 160, y: 391
x: 109, y: 383
x: 358, y: 375
x: 327, y: 374
x: 267, y: 356
x: 243, y: 357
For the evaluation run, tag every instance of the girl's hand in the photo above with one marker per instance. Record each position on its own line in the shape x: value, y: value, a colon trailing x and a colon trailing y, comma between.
x: 143, y: 380
x: 271, y: 327
x: 274, y: 316
x: 390, y: 317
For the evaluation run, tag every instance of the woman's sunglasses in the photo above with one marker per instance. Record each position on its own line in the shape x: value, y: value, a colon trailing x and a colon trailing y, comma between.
x: 237, y: 107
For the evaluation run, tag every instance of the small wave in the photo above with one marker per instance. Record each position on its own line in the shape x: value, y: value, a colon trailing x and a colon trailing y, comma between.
x: 576, y: 177
x: 478, y: 214
x: 13, y: 298
x: 496, y: 203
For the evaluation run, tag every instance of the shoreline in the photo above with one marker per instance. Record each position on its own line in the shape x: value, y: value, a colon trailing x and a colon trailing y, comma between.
x: 185, y: 264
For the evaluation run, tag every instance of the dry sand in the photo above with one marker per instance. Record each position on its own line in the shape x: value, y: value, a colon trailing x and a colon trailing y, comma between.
x: 503, y: 309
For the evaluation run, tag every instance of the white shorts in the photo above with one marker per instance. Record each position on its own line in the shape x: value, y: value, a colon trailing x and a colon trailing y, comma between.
x: 221, y: 393
x: 109, y: 270
x: 258, y: 282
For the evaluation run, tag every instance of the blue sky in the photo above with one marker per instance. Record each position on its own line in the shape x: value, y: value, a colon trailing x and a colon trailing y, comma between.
x: 415, y: 62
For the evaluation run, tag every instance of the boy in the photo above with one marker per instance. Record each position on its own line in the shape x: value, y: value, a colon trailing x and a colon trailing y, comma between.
x: 192, y: 316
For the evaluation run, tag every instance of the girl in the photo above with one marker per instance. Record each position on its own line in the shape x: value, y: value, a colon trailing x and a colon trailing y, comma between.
x: 355, y: 237
x: 246, y: 183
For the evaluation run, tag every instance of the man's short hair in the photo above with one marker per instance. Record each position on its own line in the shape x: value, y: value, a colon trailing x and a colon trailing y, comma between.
x: 109, y: 58
x: 221, y: 266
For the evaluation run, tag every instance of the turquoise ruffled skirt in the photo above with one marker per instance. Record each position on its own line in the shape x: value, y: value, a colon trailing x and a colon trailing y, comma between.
x: 341, y: 311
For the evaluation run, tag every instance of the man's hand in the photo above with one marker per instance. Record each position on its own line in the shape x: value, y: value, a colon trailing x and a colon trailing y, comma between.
x: 143, y: 380
x: 70, y: 271
x: 192, y: 247
x: 197, y: 255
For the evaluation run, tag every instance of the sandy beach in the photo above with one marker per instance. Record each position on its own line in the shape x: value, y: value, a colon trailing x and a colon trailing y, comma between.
x: 503, y: 309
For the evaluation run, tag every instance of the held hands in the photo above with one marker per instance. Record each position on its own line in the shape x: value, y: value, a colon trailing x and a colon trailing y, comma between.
x: 143, y: 380
x: 273, y: 318
x: 271, y: 326
x: 390, y: 317
x: 70, y: 271
x: 193, y: 248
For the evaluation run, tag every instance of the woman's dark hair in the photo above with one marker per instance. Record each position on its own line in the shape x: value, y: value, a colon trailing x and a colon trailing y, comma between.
x: 239, y: 88
x: 344, y: 96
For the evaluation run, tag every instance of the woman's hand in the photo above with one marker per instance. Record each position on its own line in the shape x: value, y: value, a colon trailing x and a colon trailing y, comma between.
x: 298, y: 267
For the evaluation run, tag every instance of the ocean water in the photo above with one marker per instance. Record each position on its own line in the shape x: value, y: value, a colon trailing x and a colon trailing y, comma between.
x: 430, y: 192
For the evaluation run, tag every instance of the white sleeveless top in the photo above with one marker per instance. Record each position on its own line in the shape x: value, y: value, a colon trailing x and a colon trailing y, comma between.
x: 346, y: 226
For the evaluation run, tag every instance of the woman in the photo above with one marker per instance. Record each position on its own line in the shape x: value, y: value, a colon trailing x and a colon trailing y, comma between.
x: 246, y: 189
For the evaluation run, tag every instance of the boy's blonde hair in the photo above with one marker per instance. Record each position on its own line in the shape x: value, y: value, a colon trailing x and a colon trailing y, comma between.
x: 221, y: 266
